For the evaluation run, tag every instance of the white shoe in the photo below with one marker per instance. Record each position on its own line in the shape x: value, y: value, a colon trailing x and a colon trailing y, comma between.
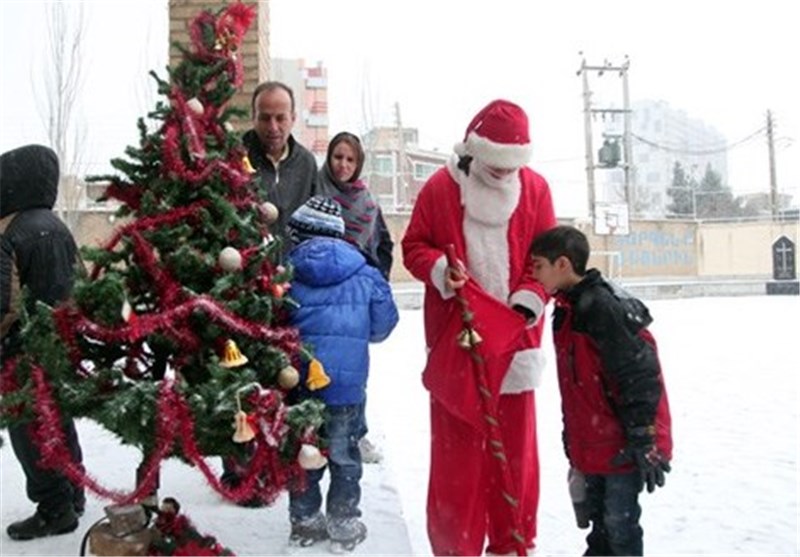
x: 370, y: 454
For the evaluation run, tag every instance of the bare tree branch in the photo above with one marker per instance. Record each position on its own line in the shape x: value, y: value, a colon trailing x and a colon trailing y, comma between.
x: 62, y: 81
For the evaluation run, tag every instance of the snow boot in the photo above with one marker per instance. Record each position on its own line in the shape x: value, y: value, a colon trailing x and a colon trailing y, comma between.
x: 370, y: 454
x: 309, y: 531
x: 346, y: 534
x: 40, y: 525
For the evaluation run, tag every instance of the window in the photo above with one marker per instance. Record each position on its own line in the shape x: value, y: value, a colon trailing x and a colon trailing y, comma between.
x: 384, y: 165
x: 423, y: 170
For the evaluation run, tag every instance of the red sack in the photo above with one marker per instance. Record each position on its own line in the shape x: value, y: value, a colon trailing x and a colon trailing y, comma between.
x: 452, y: 374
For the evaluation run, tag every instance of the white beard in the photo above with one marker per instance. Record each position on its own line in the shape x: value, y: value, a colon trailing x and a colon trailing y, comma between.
x: 488, y: 199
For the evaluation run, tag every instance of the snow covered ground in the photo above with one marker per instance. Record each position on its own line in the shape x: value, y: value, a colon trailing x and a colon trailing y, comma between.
x: 731, y: 366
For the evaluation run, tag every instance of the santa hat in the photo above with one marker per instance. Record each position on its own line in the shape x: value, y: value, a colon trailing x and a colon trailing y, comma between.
x: 319, y: 216
x: 498, y: 136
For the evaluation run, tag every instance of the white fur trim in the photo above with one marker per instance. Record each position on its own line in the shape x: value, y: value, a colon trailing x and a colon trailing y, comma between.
x: 438, y: 274
x: 500, y: 155
x: 529, y: 300
x: 525, y: 372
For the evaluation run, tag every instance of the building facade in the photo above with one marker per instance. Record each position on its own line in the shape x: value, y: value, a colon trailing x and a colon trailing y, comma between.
x: 310, y: 86
x: 396, y: 167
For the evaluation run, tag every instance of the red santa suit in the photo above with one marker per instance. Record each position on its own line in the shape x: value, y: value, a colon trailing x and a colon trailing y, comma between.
x: 490, y: 218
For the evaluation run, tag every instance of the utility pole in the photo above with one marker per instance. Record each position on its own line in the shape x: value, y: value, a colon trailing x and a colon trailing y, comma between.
x: 401, y: 195
x: 588, y: 114
x: 587, y: 129
x: 773, y: 180
x: 626, y: 139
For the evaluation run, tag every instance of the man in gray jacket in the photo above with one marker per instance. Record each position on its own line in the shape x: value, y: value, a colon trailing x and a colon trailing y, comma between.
x: 287, y: 171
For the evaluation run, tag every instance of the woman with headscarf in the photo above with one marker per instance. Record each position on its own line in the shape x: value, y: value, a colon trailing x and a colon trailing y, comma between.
x: 340, y: 179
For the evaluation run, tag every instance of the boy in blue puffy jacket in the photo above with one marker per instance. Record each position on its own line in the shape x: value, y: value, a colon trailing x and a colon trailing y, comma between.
x: 344, y: 304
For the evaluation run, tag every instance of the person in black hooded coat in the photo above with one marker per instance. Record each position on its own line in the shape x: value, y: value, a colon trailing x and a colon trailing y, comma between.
x: 37, y: 252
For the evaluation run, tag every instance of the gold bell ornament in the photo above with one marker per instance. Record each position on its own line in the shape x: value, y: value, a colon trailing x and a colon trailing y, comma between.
x: 310, y: 457
x: 317, y: 378
x: 474, y: 338
x: 232, y: 357
x: 247, y: 165
x: 463, y: 339
x: 468, y: 338
x: 244, y: 431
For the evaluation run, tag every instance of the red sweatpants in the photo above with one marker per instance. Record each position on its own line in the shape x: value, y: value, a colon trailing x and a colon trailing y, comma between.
x: 465, y: 501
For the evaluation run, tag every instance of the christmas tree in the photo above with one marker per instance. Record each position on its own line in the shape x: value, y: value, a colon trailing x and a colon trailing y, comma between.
x: 177, y: 331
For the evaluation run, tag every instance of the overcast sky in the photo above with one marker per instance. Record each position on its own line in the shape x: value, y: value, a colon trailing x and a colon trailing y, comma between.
x: 442, y: 61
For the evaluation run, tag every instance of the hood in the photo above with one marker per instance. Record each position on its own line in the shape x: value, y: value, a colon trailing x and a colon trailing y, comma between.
x: 325, y: 261
x: 28, y: 179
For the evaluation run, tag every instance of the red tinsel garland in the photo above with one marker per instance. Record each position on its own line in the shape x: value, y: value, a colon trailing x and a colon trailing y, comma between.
x: 149, y: 223
x: 9, y: 384
x: 168, y: 289
x: 229, y: 30
x: 187, y: 119
x: 232, y: 171
x: 285, y: 338
x: 128, y: 194
x: 48, y: 435
x: 173, y: 421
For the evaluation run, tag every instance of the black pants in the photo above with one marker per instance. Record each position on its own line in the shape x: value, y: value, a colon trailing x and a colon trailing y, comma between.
x: 52, y: 492
x: 615, y: 512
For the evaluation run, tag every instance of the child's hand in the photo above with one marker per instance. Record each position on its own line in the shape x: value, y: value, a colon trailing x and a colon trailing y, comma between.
x: 652, y: 465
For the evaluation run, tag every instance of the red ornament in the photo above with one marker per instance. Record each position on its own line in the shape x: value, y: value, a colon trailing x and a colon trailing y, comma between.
x: 278, y: 290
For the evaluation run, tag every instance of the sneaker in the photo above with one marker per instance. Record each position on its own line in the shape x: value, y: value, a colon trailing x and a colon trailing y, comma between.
x: 40, y: 525
x: 346, y: 534
x: 309, y: 531
x: 370, y: 454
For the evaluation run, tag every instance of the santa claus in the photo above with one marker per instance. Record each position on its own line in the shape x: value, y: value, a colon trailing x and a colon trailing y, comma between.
x: 488, y: 205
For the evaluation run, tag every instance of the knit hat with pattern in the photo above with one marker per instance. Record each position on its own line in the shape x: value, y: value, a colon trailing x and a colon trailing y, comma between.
x: 319, y: 216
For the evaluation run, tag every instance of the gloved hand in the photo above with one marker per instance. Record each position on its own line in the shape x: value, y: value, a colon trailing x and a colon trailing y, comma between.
x: 642, y: 451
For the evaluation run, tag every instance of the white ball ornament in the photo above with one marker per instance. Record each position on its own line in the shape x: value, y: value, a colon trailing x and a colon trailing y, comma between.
x: 270, y: 212
x: 230, y: 259
x: 310, y: 458
x: 195, y: 106
x: 288, y: 377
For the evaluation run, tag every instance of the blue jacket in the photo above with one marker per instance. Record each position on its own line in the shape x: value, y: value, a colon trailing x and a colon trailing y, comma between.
x: 344, y: 305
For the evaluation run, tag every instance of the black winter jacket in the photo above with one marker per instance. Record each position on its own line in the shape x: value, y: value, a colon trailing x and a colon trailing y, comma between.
x: 609, y: 374
x: 37, y: 250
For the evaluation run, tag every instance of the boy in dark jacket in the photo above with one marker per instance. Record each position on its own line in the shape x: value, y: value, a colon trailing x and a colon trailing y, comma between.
x: 37, y: 252
x: 616, y: 417
x: 344, y: 304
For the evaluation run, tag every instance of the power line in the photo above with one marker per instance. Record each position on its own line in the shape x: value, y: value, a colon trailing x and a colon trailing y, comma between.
x: 682, y: 151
